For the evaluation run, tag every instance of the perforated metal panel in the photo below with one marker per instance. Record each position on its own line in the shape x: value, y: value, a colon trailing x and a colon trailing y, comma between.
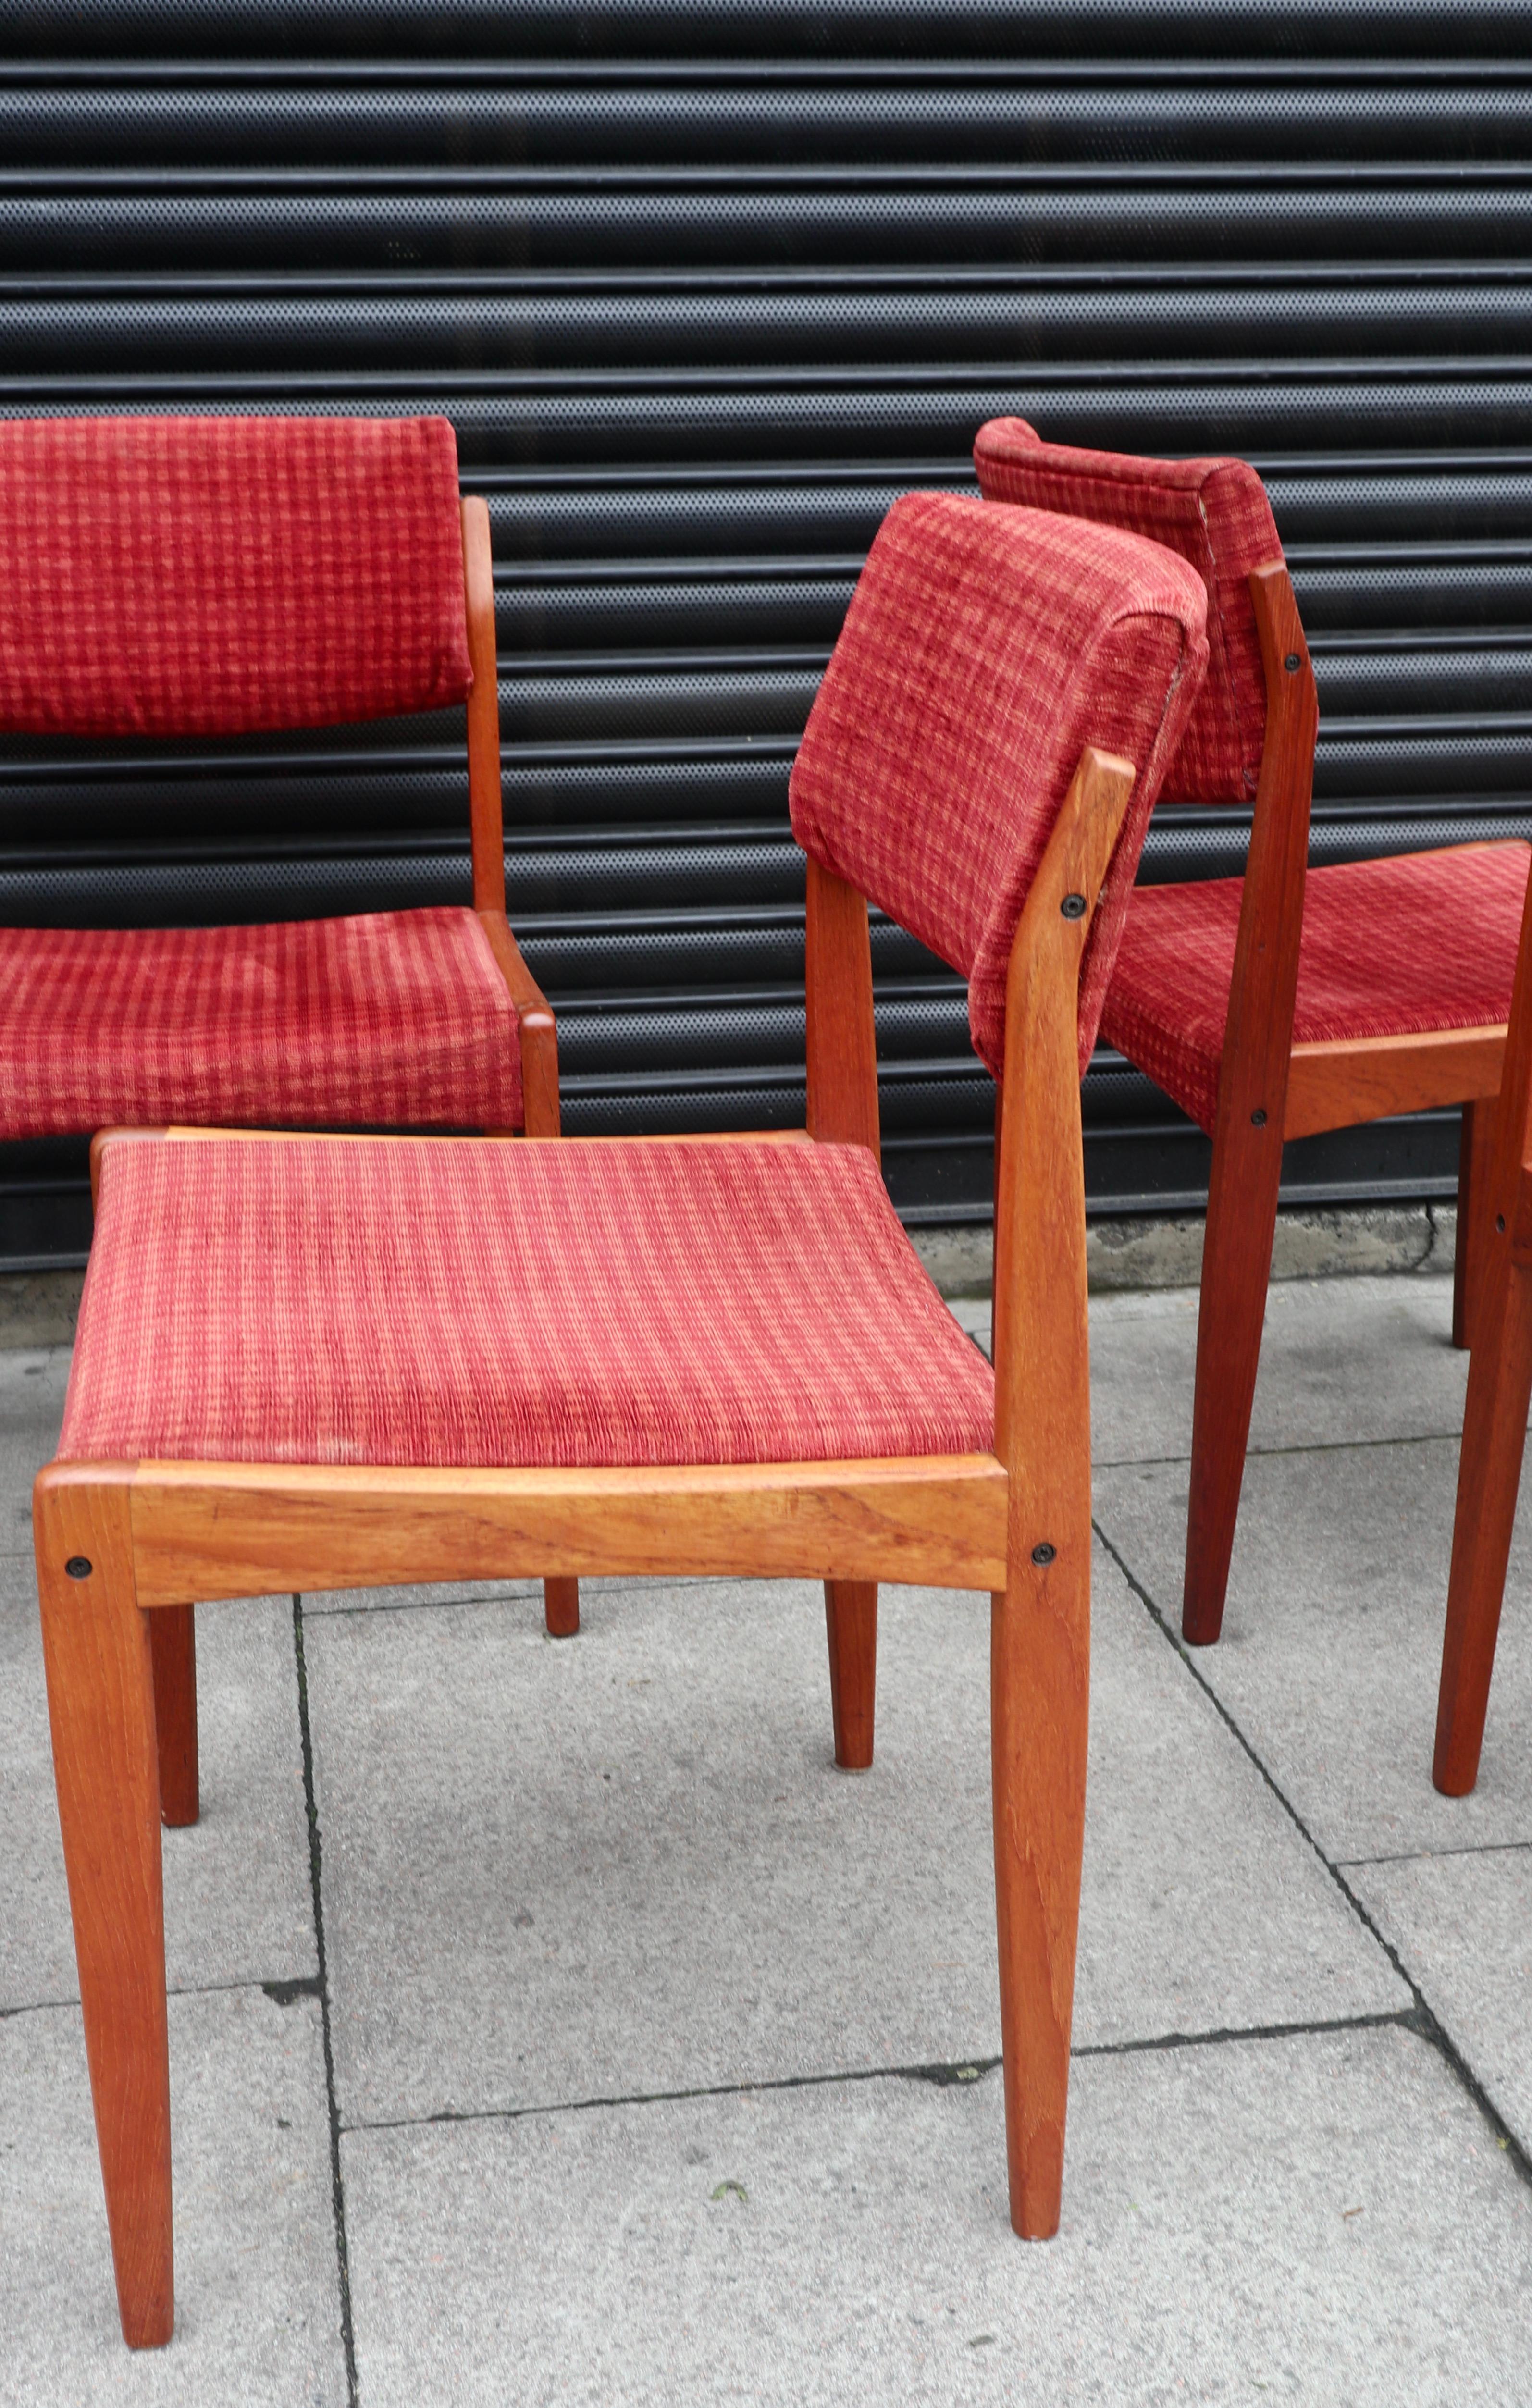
x: 702, y: 288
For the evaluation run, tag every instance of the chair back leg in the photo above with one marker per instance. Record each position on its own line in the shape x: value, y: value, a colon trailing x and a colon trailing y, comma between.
x: 1231, y: 1314
x: 172, y: 1633
x: 1040, y: 1622
x: 98, y: 1657
x: 851, y: 1620
x: 561, y: 1608
x: 1039, y: 1714
x: 1488, y: 1476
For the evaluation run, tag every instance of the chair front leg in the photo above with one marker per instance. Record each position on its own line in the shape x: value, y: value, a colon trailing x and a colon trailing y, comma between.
x: 97, y: 1652
x: 851, y: 1620
x: 1231, y: 1315
x: 173, y: 1643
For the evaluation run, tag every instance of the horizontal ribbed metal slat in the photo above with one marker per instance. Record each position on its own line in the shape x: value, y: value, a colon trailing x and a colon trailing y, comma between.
x: 703, y: 287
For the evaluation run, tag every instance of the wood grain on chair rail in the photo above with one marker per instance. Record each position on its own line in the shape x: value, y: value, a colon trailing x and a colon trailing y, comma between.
x: 1338, y: 1084
x: 210, y: 1529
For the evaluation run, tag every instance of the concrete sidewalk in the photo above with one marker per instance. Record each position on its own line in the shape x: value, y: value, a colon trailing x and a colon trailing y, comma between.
x: 552, y: 2022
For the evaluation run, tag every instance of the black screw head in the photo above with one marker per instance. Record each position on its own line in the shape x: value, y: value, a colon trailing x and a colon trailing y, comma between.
x: 80, y: 1567
x: 1257, y: 1118
x: 1294, y: 661
x: 1043, y: 1553
x: 1073, y: 907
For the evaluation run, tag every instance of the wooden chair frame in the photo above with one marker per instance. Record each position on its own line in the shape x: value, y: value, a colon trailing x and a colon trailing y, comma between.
x: 121, y: 1546
x: 1270, y: 1089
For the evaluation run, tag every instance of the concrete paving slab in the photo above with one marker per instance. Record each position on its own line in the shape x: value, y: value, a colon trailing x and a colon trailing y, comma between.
x: 238, y: 1899
x: 1463, y: 1925
x: 258, y: 2311
x: 1203, y: 1909
x: 1331, y: 1650
x: 626, y: 1864
x: 32, y: 1385
x: 1323, y: 2219
x: 1341, y: 1360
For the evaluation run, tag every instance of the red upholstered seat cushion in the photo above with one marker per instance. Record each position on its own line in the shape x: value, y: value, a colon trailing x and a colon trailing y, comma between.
x: 441, y: 1301
x: 983, y: 650
x: 210, y: 576
x: 1389, y: 949
x: 1216, y: 515
x: 398, y: 1018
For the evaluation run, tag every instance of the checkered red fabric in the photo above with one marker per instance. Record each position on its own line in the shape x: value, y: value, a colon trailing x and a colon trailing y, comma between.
x: 1389, y: 949
x: 1216, y: 515
x: 400, y: 1018
x: 212, y: 576
x: 983, y: 650
x: 459, y: 1302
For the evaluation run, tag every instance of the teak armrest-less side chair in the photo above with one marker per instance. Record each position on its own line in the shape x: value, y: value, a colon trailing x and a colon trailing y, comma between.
x: 1291, y: 1000
x: 711, y: 1357
x: 167, y: 577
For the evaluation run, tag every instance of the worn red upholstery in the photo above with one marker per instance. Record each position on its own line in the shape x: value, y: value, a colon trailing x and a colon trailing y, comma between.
x: 459, y: 1302
x: 1389, y: 949
x: 982, y: 650
x: 212, y: 576
x: 1216, y: 515
x: 400, y: 1018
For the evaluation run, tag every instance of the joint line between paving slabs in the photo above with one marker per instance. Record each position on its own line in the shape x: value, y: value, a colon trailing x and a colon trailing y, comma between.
x: 942, y: 2077
x: 1424, y: 2019
x: 1262, y: 1453
x: 1224, y: 2035
x: 958, y: 2074
x: 338, y: 2188
x: 1430, y: 1855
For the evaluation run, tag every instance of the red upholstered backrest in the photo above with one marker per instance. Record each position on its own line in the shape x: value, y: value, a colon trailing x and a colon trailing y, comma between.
x: 1216, y: 515
x: 983, y: 650
x: 212, y: 576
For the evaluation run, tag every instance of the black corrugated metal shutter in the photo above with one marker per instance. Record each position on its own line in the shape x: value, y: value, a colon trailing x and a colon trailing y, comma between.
x: 703, y: 287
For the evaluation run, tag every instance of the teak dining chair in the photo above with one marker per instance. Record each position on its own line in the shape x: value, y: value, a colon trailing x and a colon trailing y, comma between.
x: 1288, y: 1002
x: 184, y: 578
x: 708, y: 1357
x: 1495, y: 1416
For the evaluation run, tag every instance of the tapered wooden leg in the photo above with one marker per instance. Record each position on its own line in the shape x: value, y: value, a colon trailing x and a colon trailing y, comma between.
x: 1474, y: 1156
x: 561, y: 1608
x: 1488, y: 1476
x: 1235, y: 1269
x: 173, y: 1641
x: 97, y: 1650
x: 1039, y: 1694
x: 851, y: 1619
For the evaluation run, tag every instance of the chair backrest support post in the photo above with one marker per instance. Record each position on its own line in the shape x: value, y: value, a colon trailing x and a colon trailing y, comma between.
x: 1506, y: 1218
x: 536, y: 1032
x: 841, y: 1045
x: 1039, y: 1233
x: 486, y: 809
x: 1258, y: 1041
